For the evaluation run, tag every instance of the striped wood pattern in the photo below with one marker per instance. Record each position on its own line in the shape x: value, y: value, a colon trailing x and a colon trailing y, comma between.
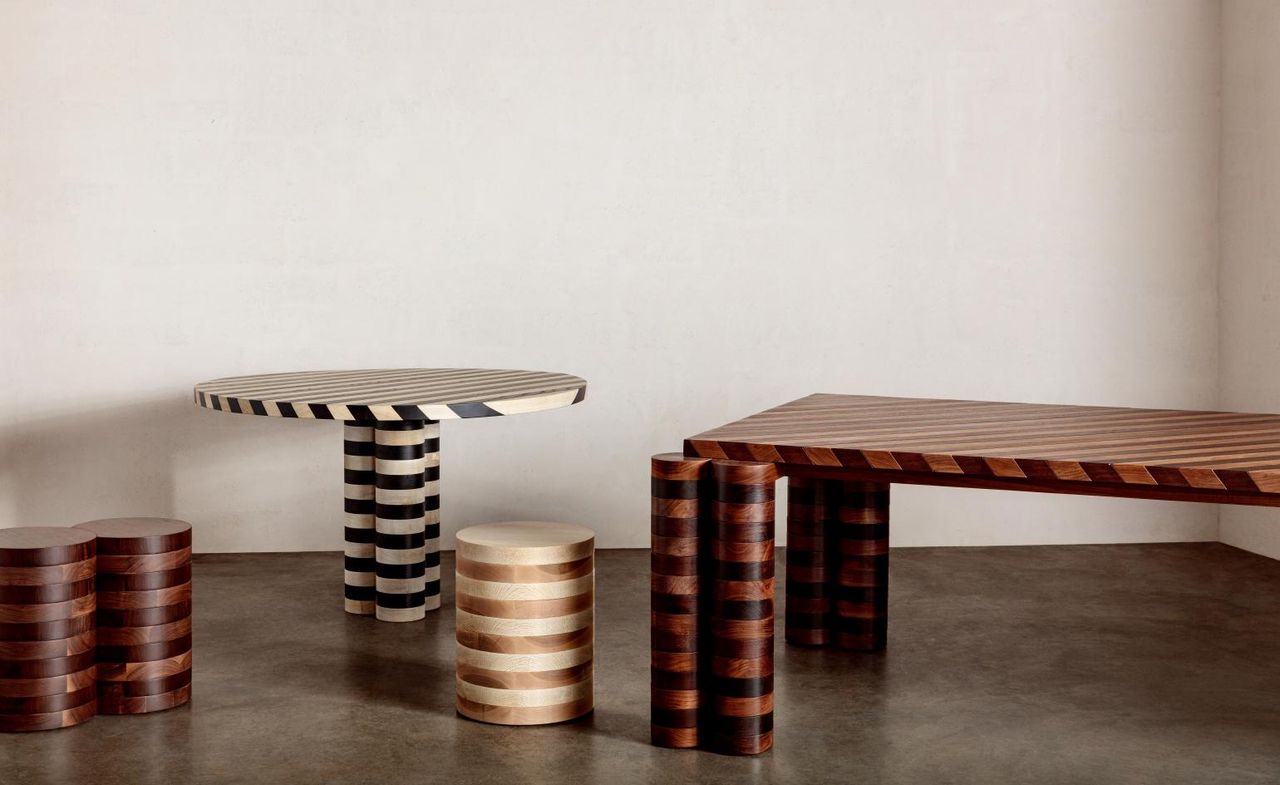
x: 742, y: 512
x: 400, y: 522
x: 525, y: 622
x: 680, y: 657
x: 359, y: 565
x: 392, y: 394
x: 144, y: 646
x: 860, y: 518
x: 810, y: 572
x: 1219, y: 457
x: 47, y: 632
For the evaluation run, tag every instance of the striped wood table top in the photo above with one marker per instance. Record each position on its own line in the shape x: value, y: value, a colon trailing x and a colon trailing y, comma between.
x: 392, y: 394
x: 1222, y: 457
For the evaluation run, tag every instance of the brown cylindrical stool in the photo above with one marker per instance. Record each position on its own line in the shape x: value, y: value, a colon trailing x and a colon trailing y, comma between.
x: 47, y: 604
x: 144, y: 614
x: 526, y: 600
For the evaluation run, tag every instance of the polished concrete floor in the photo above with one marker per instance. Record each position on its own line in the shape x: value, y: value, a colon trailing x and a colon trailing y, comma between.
x: 1079, y: 664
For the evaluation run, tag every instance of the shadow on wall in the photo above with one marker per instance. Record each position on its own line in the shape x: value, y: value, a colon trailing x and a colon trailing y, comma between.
x: 122, y: 461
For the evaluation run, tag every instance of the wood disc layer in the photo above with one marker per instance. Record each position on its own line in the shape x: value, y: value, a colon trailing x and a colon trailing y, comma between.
x: 44, y: 546
x: 50, y: 592
x: 15, y: 723
x: 139, y: 536
x: 55, y: 685
x: 12, y: 651
x: 145, y: 703
x: 47, y: 631
x: 525, y: 624
x: 53, y: 574
x: 47, y: 611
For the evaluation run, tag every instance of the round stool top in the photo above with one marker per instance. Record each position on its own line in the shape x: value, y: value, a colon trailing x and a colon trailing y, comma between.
x: 42, y: 546
x: 525, y: 542
x: 137, y: 536
x: 392, y: 393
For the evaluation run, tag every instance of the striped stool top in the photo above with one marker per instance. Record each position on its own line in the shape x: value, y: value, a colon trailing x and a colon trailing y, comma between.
x: 392, y: 394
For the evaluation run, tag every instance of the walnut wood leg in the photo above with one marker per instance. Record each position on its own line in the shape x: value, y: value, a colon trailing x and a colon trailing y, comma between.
x: 680, y: 658
x: 400, y: 521
x: 741, y: 716
x: 359, y: 565
x: 861, y: 528
x: 810, y: 573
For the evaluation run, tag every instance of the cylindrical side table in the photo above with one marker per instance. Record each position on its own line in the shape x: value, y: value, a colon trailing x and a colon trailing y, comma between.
x: 525, y: 624
x: 144, y: 614
x: 47, y: 604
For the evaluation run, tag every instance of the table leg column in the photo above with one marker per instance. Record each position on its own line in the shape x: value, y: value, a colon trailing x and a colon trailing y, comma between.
x: 678, y: 672
x: 431, y: 506
x: 809, y: 563
x: 741, y: 718
x: 400, y: 519
x: 359, y: 565
x: 862, y: 582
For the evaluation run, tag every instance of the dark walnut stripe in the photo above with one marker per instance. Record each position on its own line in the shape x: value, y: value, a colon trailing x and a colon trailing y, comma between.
x: 810, y: 572
x: 139, y: 536
x: 1221, y: 457
x: 44, y: 546
x: 740, y: 721
x: 679, y: 650
x: 15, y: 723
x: 50, y: 592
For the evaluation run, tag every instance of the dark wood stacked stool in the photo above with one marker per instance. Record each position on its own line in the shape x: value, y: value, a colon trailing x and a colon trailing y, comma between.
x: 47, y: 604
x: 144, y: 614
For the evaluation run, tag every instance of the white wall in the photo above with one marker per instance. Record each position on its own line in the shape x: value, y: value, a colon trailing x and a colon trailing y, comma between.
x: 1251, y: 236
x: 703, y: 208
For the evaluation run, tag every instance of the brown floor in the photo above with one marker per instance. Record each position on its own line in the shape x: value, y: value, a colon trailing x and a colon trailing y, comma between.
x: 1076, y: 664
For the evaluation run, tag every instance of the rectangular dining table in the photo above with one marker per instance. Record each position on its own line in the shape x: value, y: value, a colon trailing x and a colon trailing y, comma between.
x: 712, y: 519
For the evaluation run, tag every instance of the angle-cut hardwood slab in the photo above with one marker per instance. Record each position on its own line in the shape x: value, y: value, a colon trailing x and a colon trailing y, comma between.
x: 47, y: 636
x: 1221, y: 457
x: 392, y: 393
x: 391, y: 566
x: 840, y: 454
x: 525, y: 625
x: 144, y: 616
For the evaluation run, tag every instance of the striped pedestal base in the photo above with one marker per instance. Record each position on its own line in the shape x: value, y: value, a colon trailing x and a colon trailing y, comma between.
x: 838, y: 564
x: 391, y: 479
x: 712, y: 595
x: 47, y: 628
x: 144, y: 614
x: 525, y: 597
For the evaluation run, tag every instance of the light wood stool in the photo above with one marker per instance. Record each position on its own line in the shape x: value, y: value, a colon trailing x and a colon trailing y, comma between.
x: 525, y: 627
x: 144, y: 614
x: 47, y: 604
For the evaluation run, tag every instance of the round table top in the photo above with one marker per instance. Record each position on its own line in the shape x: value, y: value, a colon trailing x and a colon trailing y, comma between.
x: 525, y: 542
x: 380, y: 395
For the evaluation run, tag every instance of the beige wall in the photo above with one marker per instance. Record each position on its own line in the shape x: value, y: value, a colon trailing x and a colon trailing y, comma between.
x: 1250, y: 277
x: 703, y: 208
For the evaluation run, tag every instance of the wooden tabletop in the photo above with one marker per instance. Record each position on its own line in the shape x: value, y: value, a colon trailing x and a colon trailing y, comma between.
x: 1154, y: 453
x: 392, y: 394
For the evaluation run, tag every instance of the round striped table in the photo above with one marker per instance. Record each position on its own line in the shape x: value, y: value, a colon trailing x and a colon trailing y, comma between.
x: 391, y: 458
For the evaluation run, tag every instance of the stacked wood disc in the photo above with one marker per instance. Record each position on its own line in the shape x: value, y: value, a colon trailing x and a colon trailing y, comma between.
x: 679, y: 655
x: 47, y: 604
x: 144, y: 614
x: 526, y: 598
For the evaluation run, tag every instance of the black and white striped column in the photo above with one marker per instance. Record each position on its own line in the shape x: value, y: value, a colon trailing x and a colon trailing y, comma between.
x: 431, y: 489
x: 400, y: 520
x: 359, y: 563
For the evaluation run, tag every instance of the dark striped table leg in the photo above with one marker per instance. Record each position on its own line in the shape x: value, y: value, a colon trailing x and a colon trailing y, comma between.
x: 400, y: 521
x: 741, y: 716
x: 862, y: 583
x: 359, y: 564
x: 678, y: 652
x: 809, y: 563
x: 431, y: 483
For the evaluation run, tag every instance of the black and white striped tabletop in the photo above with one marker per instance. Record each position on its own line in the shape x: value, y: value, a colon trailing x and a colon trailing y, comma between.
x: 383, y: 395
